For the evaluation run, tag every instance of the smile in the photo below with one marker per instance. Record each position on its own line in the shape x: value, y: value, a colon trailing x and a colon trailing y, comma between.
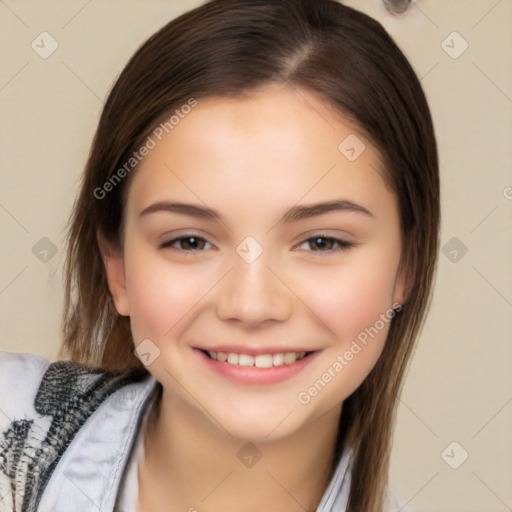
x: 258, y: 361
x: 266, y: 367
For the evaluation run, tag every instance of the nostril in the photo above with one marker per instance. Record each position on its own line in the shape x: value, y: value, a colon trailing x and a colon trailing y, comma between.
x: 397, y: 7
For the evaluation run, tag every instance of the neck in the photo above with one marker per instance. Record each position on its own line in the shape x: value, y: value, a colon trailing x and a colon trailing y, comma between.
x: 191, y: 463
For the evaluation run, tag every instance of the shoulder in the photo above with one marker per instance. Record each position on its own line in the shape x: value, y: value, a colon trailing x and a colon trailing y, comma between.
x: 31, y: 386
x: 28, y: 365
x: 43, y: 405
x: 20, y: 376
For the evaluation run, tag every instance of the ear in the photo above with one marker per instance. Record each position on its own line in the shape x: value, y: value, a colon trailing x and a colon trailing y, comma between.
x: 113, y: 261
x: 403, y: 284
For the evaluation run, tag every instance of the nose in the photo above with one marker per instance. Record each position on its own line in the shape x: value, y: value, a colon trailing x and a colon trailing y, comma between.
x: 253, y: 293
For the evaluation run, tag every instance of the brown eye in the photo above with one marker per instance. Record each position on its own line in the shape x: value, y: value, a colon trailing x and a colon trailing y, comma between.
x: 327, y: 244
x: 187, y: 243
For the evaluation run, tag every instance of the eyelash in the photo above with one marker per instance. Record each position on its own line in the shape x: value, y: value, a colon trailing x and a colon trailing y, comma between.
x: 343, y: 244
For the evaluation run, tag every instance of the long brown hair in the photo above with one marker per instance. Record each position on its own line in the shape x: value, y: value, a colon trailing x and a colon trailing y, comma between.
x: 229, y: 48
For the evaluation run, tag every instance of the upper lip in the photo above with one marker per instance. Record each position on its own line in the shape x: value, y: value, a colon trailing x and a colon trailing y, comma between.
x: 254, y: 351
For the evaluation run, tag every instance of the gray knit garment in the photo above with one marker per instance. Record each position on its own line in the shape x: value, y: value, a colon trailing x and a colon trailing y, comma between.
x: 68, y: 394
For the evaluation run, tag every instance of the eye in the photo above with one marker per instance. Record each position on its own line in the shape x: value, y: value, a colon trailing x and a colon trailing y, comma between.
x: 326, y: 243
x: 188, y: 243
x: 192, y: 243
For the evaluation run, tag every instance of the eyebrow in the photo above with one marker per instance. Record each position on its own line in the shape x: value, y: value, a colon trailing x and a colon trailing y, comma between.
x: 294, y: 214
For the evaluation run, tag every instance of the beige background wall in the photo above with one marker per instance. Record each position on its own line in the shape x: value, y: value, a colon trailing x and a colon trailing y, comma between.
x: 459, y: 388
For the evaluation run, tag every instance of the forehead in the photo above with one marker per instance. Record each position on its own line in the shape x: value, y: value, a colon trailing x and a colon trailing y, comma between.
x: 276, y: 145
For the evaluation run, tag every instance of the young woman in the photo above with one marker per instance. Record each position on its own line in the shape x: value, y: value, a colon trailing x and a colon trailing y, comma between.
x: 250, y: 261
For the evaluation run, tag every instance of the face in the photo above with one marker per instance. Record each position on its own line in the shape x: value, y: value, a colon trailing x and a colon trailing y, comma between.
x: 251, y: 235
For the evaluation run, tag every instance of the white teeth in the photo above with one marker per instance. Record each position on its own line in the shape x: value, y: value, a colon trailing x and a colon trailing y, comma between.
x: 263, y: 361
x: 260, y: 361
x: 278, y: 359
x: 232, y: 358
x: 290, y: 358
x: 245, y: 360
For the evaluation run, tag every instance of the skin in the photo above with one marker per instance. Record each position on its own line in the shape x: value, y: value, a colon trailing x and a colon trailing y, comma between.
x: 252, y: 159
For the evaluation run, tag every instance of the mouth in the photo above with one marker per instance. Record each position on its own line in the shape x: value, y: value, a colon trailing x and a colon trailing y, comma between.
x: 264, y: 367
x: 257, y: 361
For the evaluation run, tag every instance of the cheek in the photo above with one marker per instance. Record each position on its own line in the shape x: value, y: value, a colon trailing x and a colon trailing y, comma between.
x: 355, y: 305
x: 160, y: 294
x: 354, y: 301
x: 354, y: 298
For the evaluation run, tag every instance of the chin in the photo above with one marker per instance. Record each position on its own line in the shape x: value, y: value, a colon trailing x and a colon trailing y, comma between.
x: 263, y: 423
x: 259, y: 431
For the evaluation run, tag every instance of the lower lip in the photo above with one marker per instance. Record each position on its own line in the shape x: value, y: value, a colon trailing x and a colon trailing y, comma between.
x: 254, y: 375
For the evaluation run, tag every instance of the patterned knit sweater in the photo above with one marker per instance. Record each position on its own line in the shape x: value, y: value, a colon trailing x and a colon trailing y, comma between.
x: 30, y: 449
